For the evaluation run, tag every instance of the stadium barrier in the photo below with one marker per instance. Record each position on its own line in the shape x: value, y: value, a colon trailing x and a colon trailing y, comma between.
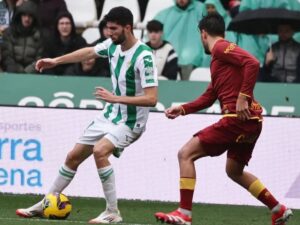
x: 77, y: 92
x: 34, y: 143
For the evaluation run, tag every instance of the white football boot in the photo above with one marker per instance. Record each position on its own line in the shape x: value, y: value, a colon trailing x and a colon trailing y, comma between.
x: 33, y: 211
x: 107, y: 216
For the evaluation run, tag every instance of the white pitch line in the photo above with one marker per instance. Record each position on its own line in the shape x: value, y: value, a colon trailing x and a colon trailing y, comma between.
x: 61, y: 221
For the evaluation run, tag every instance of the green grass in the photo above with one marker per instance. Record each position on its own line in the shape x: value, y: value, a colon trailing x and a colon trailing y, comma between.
x: 138, y: 212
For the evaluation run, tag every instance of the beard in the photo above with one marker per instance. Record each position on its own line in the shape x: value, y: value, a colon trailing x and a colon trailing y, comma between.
x: 120, y: 39
x: 206, y: 49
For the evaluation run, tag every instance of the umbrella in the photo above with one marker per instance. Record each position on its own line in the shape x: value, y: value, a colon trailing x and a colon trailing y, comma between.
x: 264, y: 21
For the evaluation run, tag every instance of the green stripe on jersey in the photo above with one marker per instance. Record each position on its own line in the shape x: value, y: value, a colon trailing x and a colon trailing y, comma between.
x: 109, y: 51
x: 118, y: 117
x: 130, y: 86
x: 117, y: 73
x: 109, y: 110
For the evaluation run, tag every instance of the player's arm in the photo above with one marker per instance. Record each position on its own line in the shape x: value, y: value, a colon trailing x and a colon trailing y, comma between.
x: 100, y: 50
x: 202, y: 102
x: 148, y: 74
x: 148, y: 99
x: 73, y: 57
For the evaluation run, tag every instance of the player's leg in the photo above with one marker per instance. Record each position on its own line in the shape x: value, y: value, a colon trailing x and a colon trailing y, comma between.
x: 187, y: 155
x: 118, y: 138
x: 75, y: 157
x: 66, y: 173
x: 235, y: 170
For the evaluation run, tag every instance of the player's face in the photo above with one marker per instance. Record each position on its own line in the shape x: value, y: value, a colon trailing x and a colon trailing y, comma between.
x: 205, y: 42
x: 116, y: 32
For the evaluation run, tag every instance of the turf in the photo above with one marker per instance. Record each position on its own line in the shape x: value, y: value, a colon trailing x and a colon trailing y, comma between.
x: 138, y: 212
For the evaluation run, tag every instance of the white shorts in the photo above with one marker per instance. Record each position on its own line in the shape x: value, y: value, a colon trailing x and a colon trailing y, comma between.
x: 120, y: 135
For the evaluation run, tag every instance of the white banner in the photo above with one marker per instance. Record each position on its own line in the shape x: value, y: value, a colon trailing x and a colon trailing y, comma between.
x: 34, y: 143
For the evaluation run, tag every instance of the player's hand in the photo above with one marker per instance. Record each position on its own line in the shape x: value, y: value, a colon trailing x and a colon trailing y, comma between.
x: 173, y: 112
x: 242, y: 108
x: 46, y: 63
x: 103, y: 94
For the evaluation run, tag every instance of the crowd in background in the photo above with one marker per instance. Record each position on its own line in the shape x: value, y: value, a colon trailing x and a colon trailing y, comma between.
x: 32, y: 29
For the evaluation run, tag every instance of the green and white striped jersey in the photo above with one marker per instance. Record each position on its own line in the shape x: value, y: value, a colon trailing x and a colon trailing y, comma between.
x: 131, y: 71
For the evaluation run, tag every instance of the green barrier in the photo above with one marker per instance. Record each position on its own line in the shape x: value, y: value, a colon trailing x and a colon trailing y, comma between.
x: 77, y: 92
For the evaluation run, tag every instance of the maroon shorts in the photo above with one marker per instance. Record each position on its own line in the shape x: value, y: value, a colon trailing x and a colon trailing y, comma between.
x: 230, y: 134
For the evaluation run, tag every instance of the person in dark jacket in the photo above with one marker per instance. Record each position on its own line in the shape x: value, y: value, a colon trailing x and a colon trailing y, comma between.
x: 22, y: 42
x: 85, y: 68
x: 281, y: 59
x: 64, y: 40
x: 47, y: 10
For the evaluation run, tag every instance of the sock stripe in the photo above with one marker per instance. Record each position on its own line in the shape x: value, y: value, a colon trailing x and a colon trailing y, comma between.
x: 104, y: 176
x: 256, y: 188
x: 187, y: 183
x: 67, y: 172
x: 65, y: 175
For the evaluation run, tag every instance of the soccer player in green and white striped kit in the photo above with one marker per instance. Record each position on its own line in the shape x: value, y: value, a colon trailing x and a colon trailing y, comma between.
x: 123, y: 120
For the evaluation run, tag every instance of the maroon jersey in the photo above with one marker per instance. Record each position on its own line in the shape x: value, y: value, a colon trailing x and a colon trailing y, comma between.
x: 233, y: 72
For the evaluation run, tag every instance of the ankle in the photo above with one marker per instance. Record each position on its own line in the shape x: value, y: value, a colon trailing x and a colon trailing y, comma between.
x: 185, y: 212
x: 276, y: 209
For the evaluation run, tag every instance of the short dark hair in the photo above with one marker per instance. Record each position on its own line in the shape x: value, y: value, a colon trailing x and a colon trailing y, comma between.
x: 154, y: 25
x: 213, y: 24
x: 120, y: 15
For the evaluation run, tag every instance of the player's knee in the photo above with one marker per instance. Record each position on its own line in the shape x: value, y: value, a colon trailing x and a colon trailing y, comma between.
x: 72, y: 161
x: 101, y: 151
x: 232, y: 174
x: 183, y: 155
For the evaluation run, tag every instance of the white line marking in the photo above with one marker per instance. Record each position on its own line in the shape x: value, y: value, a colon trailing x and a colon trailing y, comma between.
x: 61, y: 221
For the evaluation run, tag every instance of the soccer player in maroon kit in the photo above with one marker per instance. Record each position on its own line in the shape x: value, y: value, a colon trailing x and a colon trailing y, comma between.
x: 233, y: 77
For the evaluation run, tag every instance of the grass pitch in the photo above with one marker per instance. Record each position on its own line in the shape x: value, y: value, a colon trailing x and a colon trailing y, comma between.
x: 138, y: 212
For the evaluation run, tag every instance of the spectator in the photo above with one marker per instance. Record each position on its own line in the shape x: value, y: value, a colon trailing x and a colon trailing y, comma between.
x: 180, y: 22
x: 164, y: 53
x: 64, y: 40
x: 85, y: 68
x: 103, y: 63
x: 22, y: 42
x: 6, y: 12
x: 215, y: 6
x: 103, y: 31
x: 281, y: 59
x: 47, y: 11
x: 234, y: 6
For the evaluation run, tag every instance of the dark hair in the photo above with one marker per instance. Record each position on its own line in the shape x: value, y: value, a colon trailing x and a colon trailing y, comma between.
x: 154, y: 25
x: 119, y: 15
x: 61, y: 15
x: 101, y: 27
x: 213, y: 24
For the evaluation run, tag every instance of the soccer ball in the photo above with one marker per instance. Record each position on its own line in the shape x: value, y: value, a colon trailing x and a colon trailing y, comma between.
x: 56, y: 206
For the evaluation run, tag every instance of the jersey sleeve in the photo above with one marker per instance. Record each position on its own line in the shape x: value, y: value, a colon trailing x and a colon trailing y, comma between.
x: 233, y: 54
x: 147, y: 70
x: 102, y: 48
x: 202, y: 102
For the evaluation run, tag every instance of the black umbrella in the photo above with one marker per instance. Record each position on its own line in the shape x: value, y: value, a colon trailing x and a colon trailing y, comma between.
x: 264, y: 21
